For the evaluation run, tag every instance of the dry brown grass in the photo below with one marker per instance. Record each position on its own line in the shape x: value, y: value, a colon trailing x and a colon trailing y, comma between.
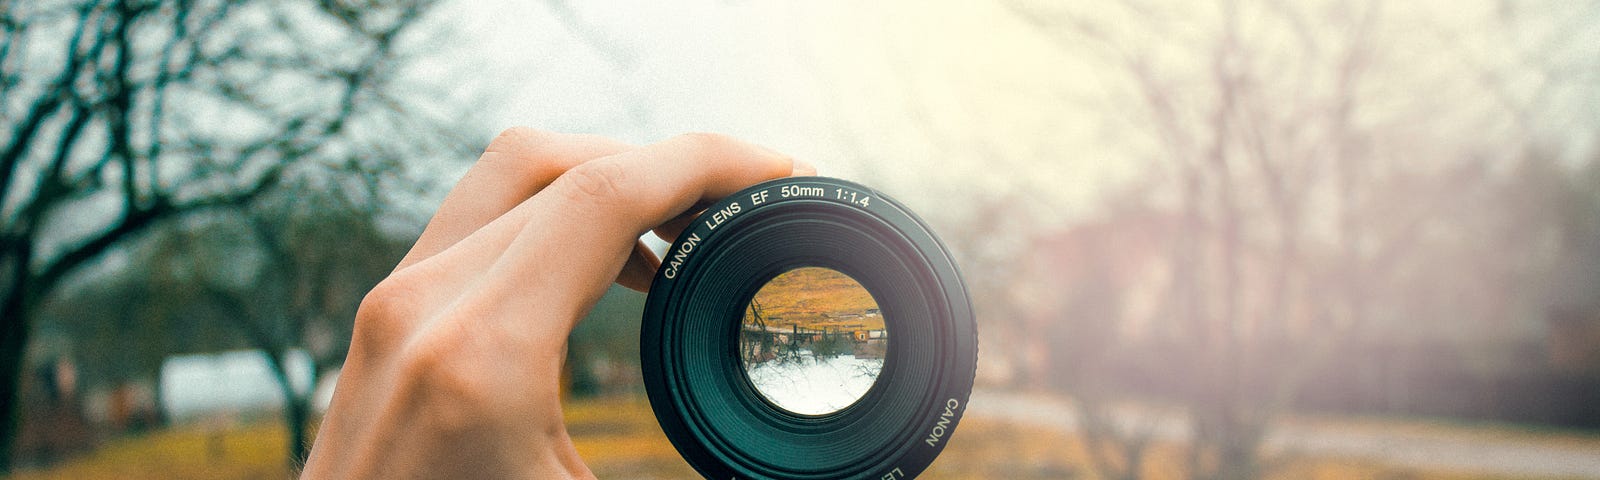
x: 254, y: 451
x: 801, y: 296
x: 619, y: 438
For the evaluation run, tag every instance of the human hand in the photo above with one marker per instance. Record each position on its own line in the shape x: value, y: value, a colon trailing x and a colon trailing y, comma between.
x: 454, y: 364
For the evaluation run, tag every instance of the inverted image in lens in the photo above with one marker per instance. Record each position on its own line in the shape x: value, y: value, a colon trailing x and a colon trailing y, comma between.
x: 813, y: 341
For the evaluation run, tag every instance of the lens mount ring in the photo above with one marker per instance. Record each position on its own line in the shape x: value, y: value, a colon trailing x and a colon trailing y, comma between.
x: 696, y: 381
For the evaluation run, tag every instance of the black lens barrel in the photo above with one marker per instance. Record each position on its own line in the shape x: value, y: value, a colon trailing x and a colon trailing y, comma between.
x: 689, y: 339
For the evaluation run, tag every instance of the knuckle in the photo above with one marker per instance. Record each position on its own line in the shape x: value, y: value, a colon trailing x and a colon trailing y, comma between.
x: 383, y: 313
x: 518, y: 149
x: 426, y: 359
x: 436, y: 370
x: 389, y: 297
x: 603, y: 182
x: 516, y: 139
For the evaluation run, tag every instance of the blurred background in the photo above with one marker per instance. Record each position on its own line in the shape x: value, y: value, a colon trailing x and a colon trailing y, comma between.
x: 1217, y: 239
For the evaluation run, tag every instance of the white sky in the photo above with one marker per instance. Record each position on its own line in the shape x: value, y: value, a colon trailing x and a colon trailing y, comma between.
x: 943, y: 101
x: 914, y: 100
x: 929, y: 101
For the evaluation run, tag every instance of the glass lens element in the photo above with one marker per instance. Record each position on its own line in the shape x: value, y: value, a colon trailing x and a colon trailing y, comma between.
x: 813, y: 341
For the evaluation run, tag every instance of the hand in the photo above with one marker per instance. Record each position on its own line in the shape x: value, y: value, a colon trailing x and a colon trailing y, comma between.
x: 454, y: 364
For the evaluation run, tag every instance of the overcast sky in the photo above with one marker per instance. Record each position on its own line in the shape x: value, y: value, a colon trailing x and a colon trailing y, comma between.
x: 891, y: 94
x: 934, y: 100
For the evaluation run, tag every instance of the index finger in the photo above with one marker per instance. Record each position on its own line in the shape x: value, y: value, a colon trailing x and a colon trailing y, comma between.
x: 517, y: 164
x: 586, y: 221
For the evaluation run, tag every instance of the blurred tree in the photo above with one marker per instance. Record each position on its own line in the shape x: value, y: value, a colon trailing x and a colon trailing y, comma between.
x: 603, y: 350
x: 1299, y: 196
x: 988, y: 241
x: 320, y: 253
x: 1093, y: 276
x: 123, y: 326
x: 121, y: 115
x: 286, y: 275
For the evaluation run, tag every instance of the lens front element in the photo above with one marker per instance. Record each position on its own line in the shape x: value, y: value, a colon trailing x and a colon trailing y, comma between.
x: 813, y: 341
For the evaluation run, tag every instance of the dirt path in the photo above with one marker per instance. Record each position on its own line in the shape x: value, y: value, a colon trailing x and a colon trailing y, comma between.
x: 1489, y: 450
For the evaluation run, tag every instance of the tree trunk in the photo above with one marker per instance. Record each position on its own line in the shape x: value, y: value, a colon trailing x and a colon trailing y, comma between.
x: 14, y: 320
x: 296, y: 407
x: 13, y: 337
x: 297, y: 411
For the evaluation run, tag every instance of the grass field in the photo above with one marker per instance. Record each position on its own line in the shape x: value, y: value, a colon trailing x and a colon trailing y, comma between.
x: 618, y: 438
x: 804, y: 295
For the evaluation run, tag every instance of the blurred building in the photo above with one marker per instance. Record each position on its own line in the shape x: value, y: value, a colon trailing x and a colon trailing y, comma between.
x: 232, y: 384
x: 1573, y: 339
x: 1105, y: 312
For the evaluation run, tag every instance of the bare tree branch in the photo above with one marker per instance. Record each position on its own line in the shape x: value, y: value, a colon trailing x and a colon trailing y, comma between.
x: 59, y: 90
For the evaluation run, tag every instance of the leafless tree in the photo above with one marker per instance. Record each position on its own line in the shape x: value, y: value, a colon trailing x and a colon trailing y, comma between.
x: 120, y: 115
x: 1294, y: 204
x: 320, y: 254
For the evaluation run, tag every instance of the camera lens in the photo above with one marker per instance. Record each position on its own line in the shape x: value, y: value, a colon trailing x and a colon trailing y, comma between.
x: 808, y: 328
x: 812, y: 341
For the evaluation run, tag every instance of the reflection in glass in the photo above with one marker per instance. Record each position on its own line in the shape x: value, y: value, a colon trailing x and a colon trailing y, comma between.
x: 813, y: 341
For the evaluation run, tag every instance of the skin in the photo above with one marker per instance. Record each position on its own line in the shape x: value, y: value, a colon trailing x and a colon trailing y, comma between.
x: 454, y: 365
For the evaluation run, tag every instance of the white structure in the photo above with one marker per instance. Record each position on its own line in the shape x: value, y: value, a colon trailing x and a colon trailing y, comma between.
x: 224, y: 383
